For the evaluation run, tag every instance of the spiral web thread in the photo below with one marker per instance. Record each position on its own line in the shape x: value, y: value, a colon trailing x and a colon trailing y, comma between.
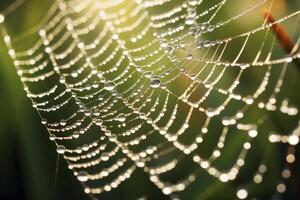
x: 122, y: 85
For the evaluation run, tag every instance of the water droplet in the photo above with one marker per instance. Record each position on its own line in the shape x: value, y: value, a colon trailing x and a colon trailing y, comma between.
x: 208, y: 84
x: 249, y: 100
x: 100, y: 75
x: 252, y: 132
x: 62, y: 80
x: 204, y: 26
x: 100, y: 98
x: 189, y: 20
x: 104, y: 156
x: 191, y: 12
x: 189, y: 56
x: 226, y: 121
x: 167, y: 72
x: 182, y: 45
x: 148, y: 74
x: 272, y: 99
x: 199, y: 44
x: 210, y: 28
x: 121, y: 117
x: 74, y: 74
x: 76, y: 134
x: 63, y: 122
x: 164, y: 43
x: 52, y: 137
x: 96, y: 112
x: 78, y: 150
x: 207, y: 44
x: 98, y: 121
x: 193, y: 76
x: 85, y: 147
x: 193, y: 31
x: 119, y: 96
x: 239, y: 114
x: 88, y: 112
x: 78, y: 122
x: 244, y: 66
x: 140, y: 163
x: 82, y: 176
x: 212, y: 112
x: 114, y: 93
x: 44, y: 121
x: 167, y: 189
x: 110, y: 86
x: 155, y: 83
x: 242, y: 194
x: 113, y: 138
x: 192, y: 2
x: 2, y: 18
x: 60, y: 149
x: 169, y: 49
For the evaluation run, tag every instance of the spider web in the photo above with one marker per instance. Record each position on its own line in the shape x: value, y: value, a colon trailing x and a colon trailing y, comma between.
x: 161, y: 86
